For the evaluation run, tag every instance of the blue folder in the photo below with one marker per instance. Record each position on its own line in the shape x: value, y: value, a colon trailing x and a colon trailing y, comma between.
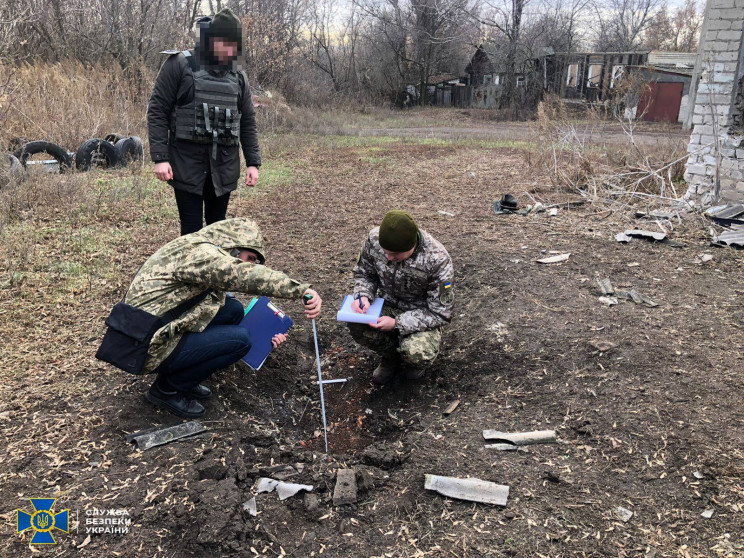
x: 263, y: 320
x: 346, y: 314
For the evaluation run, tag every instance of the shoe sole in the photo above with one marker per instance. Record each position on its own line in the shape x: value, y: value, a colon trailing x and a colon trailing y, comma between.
x: 170, y: 408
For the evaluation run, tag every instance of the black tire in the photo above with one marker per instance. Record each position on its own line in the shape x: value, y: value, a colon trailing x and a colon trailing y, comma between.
x: 51, y: 149
x: 96, y: 152
x: 113, y: 138
x: 130, y: 150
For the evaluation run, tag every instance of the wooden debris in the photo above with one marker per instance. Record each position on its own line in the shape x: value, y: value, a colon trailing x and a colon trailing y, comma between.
x: 472, y: 490
x: 451, y: 408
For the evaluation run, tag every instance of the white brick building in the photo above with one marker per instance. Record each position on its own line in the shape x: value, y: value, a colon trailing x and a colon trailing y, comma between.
x: 717, y: 142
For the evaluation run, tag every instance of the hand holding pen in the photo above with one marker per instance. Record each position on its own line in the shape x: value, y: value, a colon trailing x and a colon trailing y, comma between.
x: 360, y: 304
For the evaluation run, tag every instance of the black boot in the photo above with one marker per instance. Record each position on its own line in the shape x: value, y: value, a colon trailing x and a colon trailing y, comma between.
x: 174, y: 402
x: 200, y: 392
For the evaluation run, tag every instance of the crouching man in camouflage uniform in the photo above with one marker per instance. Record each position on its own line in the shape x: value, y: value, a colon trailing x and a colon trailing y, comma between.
x: 225, y: 256
x: 413, y: 272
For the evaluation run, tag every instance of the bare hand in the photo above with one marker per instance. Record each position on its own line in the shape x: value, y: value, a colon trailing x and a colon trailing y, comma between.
x: 312, y: 308
x: 163, y: 171
x: 365, y: 305
x: 384, y: 323
x: 251, y: 176
x: 278, y: 339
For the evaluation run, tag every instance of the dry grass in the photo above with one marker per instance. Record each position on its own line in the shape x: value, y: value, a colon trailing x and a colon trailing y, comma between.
x: 68, y: 103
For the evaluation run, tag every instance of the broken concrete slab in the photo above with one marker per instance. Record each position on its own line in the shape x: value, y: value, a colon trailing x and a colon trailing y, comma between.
x: 283, y: 489
x: 472, y: 490
x: 152, y: 437
x: 521, y: 438
x: 345, y: 491
x: 554, y: 259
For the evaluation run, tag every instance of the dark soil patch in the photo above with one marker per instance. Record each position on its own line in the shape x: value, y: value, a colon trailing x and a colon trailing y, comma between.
x: 654, y: 425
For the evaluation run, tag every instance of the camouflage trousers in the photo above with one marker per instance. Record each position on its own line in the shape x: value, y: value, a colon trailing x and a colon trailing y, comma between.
x: 417, y: 350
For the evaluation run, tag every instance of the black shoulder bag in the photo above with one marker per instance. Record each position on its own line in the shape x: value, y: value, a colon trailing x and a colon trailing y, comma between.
x: 130, y: 331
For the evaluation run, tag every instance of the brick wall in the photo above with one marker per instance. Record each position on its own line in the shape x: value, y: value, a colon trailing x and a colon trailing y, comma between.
x: 718, y: 128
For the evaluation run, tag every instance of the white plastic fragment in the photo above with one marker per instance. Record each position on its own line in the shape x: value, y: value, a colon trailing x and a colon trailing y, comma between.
x: 472, y: 490
x: 707, y: 514
x: 698, y: 475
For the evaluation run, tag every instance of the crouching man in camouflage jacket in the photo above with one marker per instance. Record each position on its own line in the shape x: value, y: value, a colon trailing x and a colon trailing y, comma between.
x: 225, y: 256
x: 413, y: 272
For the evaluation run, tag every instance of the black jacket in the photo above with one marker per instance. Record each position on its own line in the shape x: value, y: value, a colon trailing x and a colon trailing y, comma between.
x: 192, y: 161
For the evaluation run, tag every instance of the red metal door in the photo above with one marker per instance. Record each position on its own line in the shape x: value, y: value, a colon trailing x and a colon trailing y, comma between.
x: 660, y: 102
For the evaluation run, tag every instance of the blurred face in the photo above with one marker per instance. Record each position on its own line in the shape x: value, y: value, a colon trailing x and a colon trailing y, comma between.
x: 248, y: 256
x: 398, y: 256
x: 224, y: 51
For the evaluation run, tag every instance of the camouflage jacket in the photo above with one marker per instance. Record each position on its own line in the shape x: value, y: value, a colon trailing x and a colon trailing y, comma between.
x: 421, y: 285
x: 187, y: 266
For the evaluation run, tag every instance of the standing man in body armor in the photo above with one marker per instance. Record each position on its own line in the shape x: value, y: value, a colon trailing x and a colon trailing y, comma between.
x: 200, y: 110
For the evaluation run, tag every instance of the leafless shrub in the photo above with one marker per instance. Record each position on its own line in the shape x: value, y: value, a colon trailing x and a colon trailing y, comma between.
x: 603, y: 160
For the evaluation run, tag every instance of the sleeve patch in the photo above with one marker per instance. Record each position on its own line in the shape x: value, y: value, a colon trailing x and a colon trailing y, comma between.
x: 446, y: 293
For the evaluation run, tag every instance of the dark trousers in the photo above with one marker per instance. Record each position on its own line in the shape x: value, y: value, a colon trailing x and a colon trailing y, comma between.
x: 199, y: 355
x: 193, y: 209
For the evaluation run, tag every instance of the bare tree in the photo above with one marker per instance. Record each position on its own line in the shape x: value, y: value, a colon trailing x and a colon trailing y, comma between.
x: 621, y: 24
x: 677, y: 31
x: 416, y: 39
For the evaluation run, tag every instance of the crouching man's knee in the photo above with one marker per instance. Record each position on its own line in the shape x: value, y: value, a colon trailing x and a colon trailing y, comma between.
x: 419, y: 350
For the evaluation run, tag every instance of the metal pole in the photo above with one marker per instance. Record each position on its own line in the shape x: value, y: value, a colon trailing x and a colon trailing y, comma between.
x: 320, y: 384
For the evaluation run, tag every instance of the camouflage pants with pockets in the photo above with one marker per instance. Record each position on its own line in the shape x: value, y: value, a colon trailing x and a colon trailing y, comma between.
x: 417, y: 350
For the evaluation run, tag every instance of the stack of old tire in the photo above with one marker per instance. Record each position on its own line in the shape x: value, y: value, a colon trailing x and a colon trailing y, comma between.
x: 114, y: 150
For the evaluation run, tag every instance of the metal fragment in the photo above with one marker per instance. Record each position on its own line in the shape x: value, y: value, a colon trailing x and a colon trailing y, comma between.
x: 283, y: 489
x: 151, y: 438
x: 554, y: 259
x: 502, y: 447
x: 608, y: 300
x: 250, y: 507
x: 451, y: 408
x: 521, y: 438
x: 648, y: 235
x: 606, y: 286
x: 472, y: 490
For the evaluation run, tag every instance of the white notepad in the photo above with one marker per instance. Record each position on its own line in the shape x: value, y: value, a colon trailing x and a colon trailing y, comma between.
x: 346, y: 314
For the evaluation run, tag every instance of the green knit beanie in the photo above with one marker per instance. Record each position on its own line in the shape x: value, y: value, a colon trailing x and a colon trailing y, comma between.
x: 398, y: 231
x: 226, y: 25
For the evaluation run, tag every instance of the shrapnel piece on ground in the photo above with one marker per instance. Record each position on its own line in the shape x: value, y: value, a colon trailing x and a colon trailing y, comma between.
x: 152, y: 437
x: 520, y: 438
x: 554, y: 259
x: 451, y: 408
x: 472, y: 490
x: 283, y: 489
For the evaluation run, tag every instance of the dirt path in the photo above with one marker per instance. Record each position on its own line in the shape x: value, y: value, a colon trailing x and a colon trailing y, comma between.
x: 509, y: 131
x: 654, y: 424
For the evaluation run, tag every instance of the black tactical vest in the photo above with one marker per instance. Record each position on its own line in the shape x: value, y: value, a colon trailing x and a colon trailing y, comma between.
x: 214, y: 114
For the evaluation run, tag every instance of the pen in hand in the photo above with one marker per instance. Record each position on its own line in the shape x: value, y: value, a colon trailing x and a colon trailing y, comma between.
x: 361, y: 305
